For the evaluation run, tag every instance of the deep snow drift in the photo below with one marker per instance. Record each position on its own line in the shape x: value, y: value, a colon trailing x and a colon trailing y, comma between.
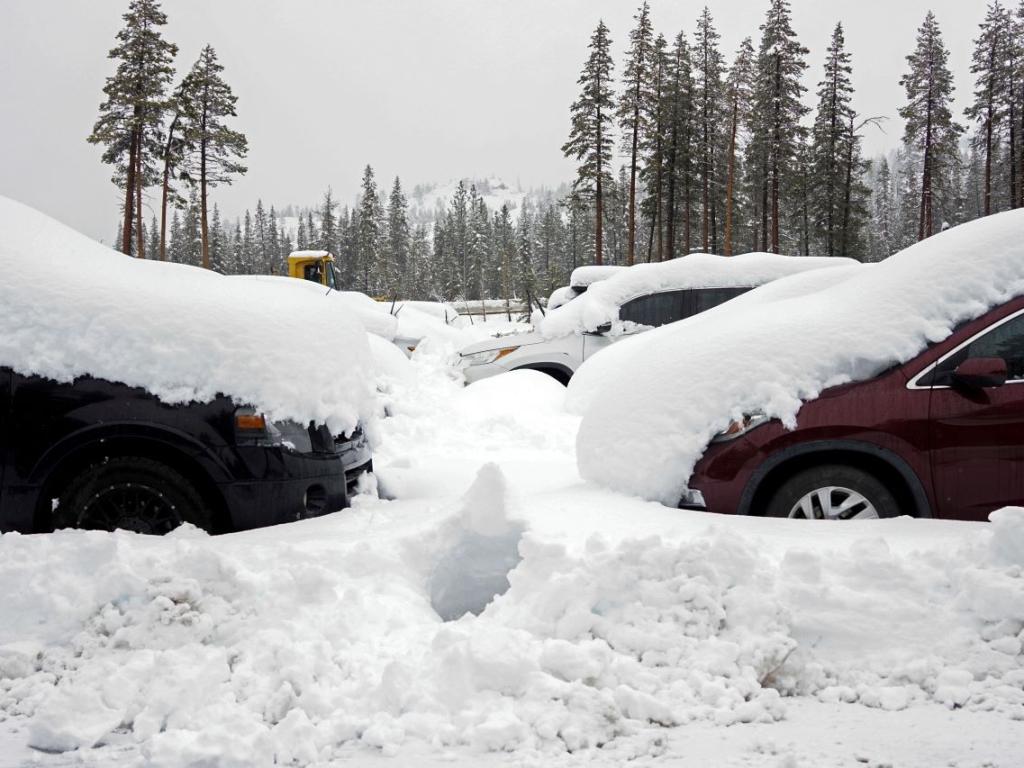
x: 624, y: 620
x: 70, y: 306
x: 651, y: 408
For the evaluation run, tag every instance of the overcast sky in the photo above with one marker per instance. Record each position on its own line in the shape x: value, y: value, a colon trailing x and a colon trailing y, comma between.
x: 426, y: 89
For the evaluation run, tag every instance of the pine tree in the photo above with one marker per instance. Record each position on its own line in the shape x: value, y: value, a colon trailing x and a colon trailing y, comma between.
x: 172, y: 158
x: 247, y: 253
x: 635, y: 107
x: 480, y: 246
x: 214, y: 149
x: 132, y: 114
x: 302, y: 238
x: 191, y: 252
x: 368, y: 237
x: 930, y: 131
x: 218, y: 255
x: 835, y: 163
x: 708, y: 65
x: 397, y: 243
x: 590, y: 141
x: 739, y: 95
x: 418, y: 276
x: 328, y: 235
x: 237, y: 251
x: 457, y: 229
x: 991, y: 63
x: 153, y: 236
x: 883, y: 214
x: 779, y: 109
x: 177, y: 247
x: 679, y: 145
x: 654, y: 146
x: 265, y: 253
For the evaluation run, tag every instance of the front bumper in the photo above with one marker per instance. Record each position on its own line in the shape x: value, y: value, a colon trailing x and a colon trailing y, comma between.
x: 474, y: 373
x: 284, y: 486
x: 356, y: 457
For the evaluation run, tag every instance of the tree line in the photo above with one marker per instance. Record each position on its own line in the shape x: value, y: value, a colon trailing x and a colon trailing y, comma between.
x: 722, y: 158
x: 726, y: 158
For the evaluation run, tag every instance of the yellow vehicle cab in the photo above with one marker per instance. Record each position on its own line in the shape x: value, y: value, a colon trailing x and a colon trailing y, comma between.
x: 315, y: 266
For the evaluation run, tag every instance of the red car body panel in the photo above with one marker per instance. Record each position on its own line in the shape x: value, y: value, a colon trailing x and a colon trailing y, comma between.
x: 948, y: 452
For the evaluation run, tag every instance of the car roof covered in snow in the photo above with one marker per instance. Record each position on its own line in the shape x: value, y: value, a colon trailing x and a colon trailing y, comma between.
x: 652, y: 403
x: 70, y: 307
x: 583, y: 277
x: 600, y: 304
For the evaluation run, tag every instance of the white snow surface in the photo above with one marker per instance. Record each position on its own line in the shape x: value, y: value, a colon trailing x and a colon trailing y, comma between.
x: 608, y: 292
x: 628, y: 632
x: 584, y: 277
x: 651, y: 409
x: 70, y: 307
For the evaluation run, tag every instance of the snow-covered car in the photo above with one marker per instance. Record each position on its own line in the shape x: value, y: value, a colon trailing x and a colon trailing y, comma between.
x: 139, y: 394
x: 887, y: 390
x: 624, y: 302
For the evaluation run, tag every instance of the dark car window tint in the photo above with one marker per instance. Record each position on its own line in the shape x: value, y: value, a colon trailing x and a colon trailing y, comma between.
x: 657, y: 308
x: 669, y: 306
x: 706, y: 298
x: 1005, y: 341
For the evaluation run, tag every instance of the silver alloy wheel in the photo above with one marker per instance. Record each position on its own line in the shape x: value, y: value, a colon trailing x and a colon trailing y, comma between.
x: 834, y: 502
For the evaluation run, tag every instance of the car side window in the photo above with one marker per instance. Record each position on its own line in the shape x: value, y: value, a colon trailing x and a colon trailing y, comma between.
x: 1005, y: 341
x: 657, y: 308
x: 706, y: 298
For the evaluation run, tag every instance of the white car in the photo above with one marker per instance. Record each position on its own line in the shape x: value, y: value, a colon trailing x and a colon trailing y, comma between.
x: 624, y: 302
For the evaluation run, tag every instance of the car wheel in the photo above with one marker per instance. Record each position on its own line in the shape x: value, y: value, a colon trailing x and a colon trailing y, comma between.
x: 833, y: 492
x: 133, y: 494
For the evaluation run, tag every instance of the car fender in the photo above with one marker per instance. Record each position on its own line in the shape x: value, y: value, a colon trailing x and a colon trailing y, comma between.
x: 159, y: 436
x: 893, y: 459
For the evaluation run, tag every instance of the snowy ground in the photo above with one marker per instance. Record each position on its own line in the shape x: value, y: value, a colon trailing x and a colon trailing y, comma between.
x: 630, y: 632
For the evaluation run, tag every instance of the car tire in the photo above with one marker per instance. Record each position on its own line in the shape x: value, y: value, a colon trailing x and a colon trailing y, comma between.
x: 833, y: 492
x: 130, y: 493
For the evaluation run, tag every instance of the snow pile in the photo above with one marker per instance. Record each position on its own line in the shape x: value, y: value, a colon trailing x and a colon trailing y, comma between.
x: 608, y: 292
x: 70, y: 307
x: 262, y: 649
x: 648, y: 419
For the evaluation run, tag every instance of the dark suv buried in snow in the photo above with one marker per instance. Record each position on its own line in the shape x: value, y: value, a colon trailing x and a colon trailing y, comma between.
x: 98, y: 454
x: 940, y: 436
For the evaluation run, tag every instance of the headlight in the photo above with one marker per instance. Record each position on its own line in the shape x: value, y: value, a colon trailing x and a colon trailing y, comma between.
x: 253, y: 428
x: 487, y: 356
x: 739, y: 427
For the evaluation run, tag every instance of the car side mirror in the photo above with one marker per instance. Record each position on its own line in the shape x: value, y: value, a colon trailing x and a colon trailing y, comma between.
x: 602, y: 329
x: 980, y: 373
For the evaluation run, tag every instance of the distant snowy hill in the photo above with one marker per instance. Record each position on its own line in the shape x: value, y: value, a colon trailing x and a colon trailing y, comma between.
x: 426, y: 201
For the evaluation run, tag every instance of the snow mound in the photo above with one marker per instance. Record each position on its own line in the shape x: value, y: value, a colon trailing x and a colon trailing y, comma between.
x: 584, y: 277
x: 261, y: 649
x: 608, y: 292
x: 71, y: 307
x: 648, y: 420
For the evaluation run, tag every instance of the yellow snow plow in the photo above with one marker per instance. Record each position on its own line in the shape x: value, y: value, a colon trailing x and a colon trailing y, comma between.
x: 315, y: 266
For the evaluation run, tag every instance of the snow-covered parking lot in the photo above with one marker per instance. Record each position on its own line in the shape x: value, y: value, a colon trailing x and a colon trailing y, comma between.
x: 630, y: 631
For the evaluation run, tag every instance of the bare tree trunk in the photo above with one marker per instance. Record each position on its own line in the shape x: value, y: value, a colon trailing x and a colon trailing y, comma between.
x: 1013, y: 156
x: 202, y: 195
x: 730, y: 181
x: 140, y: 240
x: 631, y: 228
x: 129, y: 196
x: 847, y: 194
x: 166, y: 188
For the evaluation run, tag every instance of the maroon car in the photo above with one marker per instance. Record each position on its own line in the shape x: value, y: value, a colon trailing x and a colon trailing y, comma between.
x: 939, y: 436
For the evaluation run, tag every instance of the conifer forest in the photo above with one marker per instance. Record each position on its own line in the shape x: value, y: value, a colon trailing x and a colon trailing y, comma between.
x: 679, y: 146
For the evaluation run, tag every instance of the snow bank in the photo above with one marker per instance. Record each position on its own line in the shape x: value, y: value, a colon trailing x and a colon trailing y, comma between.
x: 262, y: 649
x: 600, y: 304
x: 70, y: 307
x: 647, y: 420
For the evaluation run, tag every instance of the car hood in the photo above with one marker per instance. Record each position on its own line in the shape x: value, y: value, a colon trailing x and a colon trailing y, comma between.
x: 501, y: 342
